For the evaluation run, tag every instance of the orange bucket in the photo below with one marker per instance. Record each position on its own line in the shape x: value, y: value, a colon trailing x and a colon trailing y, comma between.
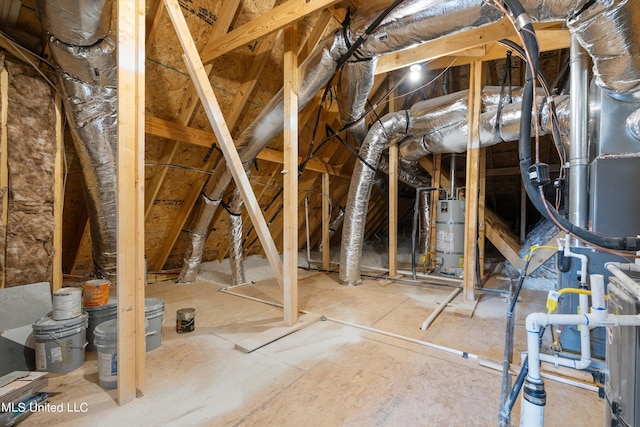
x: 96, y: 292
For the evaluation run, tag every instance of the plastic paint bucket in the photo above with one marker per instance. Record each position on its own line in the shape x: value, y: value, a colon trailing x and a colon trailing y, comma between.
x: 98, y: 315
x: 106, y: 341
x: 67, y: 303
x: 154, y: 313
x: 60, y: 344
x: 185, y: 320
x: 96, y: 292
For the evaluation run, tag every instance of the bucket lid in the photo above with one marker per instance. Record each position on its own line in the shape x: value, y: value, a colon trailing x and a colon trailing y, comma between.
x: 108, y: 328
x: 112, y: 303
x: 48, y: 324
x: 153, y: 304
x: 95, y: 282
x: 67, y: 291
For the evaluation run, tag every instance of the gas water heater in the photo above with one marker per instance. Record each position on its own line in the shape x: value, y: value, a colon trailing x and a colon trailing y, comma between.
x: 450, y: 237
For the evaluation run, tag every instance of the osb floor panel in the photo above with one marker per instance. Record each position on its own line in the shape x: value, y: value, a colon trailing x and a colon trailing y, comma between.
x: 327, y: 374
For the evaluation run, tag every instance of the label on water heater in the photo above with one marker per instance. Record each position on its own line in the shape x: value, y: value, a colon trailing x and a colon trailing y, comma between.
x: 444, y: 241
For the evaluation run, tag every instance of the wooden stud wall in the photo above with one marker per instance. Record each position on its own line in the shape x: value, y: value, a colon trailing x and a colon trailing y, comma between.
x: 290, y: 172
x: 130, y: 197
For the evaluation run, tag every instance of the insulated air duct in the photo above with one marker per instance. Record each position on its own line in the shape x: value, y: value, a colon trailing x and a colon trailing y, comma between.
x: 87, y: 74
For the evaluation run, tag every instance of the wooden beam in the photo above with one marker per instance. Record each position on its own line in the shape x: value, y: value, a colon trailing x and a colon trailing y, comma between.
x: 211, y: 107
x: 290, y: 212
x: 4, y: 166
x: 276, y: 19
x: 130, y: 208
x: 436, y: 181
x: 315, y: 165
x: 445, y: 46
x: 154, y: 13
x: 550, y: 39
x: 512, y: 171
x: 503, y: 239
x: 319, y: 28
x: 393, y: 191
x: 326, y: 221
x: 190, y: 135
x: 482, y: 229
x: 472, y: 181
x: 469, y: 46
x: 58, y: 197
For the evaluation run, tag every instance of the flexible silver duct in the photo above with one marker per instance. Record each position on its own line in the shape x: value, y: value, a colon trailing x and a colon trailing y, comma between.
x: 408, y: 172
x: 396, y: 125
x: 356, y: 81
x: 87, y: 75
x: 235, y: 238
x: 76, y: 22
x: 605, y: 35
x: 92, y: 64
x: 425, y: 222
x: 438, y: 125
x: 91, y: 111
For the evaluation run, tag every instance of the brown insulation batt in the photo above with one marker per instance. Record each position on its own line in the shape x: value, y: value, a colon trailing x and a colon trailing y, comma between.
x: 32, y: 149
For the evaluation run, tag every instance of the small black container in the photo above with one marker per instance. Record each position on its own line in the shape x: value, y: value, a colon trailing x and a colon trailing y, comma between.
x: 185, y: 320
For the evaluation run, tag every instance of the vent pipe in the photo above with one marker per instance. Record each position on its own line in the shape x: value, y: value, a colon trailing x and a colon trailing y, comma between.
x: 578, y: 153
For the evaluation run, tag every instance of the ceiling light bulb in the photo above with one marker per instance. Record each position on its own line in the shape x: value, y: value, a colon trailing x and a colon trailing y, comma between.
x: 414, y: 72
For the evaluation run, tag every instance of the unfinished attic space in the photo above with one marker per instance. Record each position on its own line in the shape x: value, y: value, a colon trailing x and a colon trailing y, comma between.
x: 320, y: 212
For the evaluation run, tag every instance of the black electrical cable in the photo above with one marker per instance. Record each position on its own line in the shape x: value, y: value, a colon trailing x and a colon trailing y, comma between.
x: 557, y: 139
x: 524, y: 145
x: 370, y: 29
x: 343, y: 59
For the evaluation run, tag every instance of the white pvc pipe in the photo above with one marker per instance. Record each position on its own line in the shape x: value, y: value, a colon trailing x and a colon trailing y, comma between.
x: 585, y: 333
x: 597, y: 292
x: 533, y: 415
x: 440, y: 309
x: 464, y: 354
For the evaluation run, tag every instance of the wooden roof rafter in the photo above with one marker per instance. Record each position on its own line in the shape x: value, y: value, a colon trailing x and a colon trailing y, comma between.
x: 276, y: 19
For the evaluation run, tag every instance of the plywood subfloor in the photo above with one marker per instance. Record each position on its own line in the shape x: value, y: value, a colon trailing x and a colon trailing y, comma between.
x: 328, y: 374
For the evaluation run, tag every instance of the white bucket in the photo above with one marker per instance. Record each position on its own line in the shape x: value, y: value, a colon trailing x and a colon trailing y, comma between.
x: 98, y: 315
x: 154, y: 313
x: 106, y: 341
x: 67, y: 303
x: 60, y: 344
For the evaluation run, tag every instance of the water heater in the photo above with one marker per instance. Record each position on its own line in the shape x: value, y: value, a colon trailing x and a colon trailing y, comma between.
x: 450, y: 237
